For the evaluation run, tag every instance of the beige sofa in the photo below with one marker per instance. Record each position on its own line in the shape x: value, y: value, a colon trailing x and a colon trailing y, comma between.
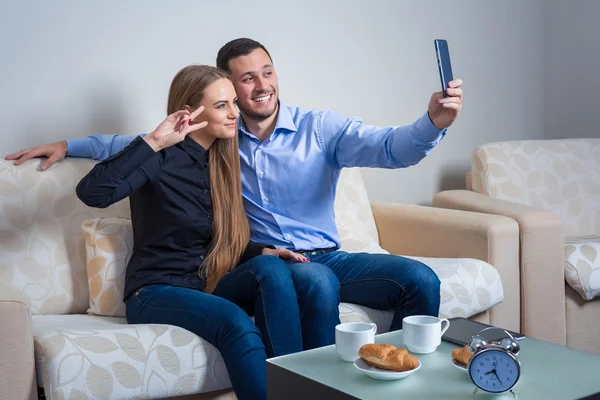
x: 52, y: 341
x: 551, y: 188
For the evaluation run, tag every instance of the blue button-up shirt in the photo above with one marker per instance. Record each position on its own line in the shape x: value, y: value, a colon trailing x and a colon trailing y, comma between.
x: 289, y: 180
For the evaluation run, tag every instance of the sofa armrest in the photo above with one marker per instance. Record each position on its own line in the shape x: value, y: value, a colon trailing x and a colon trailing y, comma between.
x: 17, y: 364
x: 435, y: 232
x: 542, y: 260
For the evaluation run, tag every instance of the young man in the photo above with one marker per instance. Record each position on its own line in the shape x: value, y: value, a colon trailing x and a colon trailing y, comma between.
x: 290, y: 162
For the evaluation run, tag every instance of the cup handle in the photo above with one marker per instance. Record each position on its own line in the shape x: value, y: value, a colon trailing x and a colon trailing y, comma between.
x: 444, y: 326
x: 374, y: 327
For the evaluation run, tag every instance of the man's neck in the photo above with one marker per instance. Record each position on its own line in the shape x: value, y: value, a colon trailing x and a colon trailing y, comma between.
x: 264, y: 128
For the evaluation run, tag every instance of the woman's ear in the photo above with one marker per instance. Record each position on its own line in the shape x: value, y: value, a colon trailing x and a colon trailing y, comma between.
x: 188, y: 108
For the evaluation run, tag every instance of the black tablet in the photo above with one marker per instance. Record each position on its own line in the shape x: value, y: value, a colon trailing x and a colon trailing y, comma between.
x: 461, y: 330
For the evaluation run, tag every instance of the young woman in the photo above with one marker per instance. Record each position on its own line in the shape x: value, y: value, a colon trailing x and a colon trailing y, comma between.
x: 193, y: 264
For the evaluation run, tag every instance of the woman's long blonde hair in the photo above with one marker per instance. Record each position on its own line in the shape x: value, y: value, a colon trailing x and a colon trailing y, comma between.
x: 231, y: 231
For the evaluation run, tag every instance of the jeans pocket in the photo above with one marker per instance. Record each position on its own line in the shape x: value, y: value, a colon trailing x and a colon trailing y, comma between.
x: 136, y: 303
x: 145, y: 293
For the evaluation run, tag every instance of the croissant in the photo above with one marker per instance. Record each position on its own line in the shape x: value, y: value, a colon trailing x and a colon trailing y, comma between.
x: 389, y: 357
x: 462, y: 355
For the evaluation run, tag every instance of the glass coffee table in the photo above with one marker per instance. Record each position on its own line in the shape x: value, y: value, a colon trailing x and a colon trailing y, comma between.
x: 548, y: 371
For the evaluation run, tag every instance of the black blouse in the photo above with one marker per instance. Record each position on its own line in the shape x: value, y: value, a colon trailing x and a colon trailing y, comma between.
x: 171, y: 208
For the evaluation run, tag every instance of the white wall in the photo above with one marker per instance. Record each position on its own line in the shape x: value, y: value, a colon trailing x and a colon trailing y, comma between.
x: 572, y: 58
x: 72, y: 68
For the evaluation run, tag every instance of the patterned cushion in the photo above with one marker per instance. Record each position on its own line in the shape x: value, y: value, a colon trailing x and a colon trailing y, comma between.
x: 582, y: 267
x: 468, y: 286
x: 108, y: 244
x: 40, y: 234
x: 91, y: 357
x: 354, y: 216
x: 561, y: 176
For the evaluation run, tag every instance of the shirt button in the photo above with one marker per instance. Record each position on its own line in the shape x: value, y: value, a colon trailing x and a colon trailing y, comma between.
x: 202, y: 257
x: 261, y: 174
x: 205, y: 191
x: 287, y: 235
x: 266, y: 199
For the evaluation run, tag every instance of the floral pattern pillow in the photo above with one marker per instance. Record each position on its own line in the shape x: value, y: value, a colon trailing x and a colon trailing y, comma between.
x: 107, y: 242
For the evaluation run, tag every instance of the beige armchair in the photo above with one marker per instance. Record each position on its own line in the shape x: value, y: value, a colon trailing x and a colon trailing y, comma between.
x: 552, y: 190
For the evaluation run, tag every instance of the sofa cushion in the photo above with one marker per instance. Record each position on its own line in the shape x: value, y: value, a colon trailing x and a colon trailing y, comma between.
x: 582, y: 265
x: 353, y: 215
x: 108, y: 244
x: 560, y: 176
x: 468, y: 286
x: 89, y: 356
x: 85, y: 357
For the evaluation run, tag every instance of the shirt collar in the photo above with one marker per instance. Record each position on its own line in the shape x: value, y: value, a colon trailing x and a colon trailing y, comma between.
x: 192, y: 147
x: 285, y: 121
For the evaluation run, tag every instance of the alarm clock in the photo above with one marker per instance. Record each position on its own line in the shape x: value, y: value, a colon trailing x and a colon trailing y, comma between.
x: 494, y: 367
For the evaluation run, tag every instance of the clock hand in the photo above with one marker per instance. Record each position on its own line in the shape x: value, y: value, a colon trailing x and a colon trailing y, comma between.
x: 497, y: 377
x: 495, y: 374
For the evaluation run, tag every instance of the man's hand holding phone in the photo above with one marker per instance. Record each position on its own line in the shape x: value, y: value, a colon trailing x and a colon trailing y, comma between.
x: 444, y: 110
x: 445, y: 106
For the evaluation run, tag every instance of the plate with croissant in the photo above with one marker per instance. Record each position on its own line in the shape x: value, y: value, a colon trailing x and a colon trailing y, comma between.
x: 461, y: 357
x: 386, y: 362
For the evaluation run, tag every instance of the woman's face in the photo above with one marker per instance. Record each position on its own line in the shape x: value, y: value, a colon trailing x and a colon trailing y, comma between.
x: 220, y: 110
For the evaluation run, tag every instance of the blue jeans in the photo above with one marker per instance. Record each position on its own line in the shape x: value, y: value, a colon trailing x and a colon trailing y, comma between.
x: 296, y: 304
x: 379, y: 281
x: 216, y: 320
x: 262, y: 287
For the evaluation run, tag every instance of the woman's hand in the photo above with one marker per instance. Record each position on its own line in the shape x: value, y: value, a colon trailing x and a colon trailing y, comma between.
x: 285, y: 254
x: 174, y: 129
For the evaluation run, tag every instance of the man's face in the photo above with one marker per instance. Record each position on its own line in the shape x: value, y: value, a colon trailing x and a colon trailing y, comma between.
x: 255, y: 82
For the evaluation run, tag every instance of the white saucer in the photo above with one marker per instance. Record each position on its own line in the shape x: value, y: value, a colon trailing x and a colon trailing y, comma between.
x: 377, y: 373
x: 462, y: 368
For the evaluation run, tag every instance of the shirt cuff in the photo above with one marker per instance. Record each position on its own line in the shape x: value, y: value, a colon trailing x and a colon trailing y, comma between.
x: 426, y: 131
x: 253, y: 249
x: 78, y: 148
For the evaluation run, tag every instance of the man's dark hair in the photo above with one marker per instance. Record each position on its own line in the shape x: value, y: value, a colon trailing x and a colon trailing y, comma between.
x: 236, y: 48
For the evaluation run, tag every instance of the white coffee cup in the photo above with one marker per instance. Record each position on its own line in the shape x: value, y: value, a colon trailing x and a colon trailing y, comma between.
x: 422, y: 334
x: 351, y: 336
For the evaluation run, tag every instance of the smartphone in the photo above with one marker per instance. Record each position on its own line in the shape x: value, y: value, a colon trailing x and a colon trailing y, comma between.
x: 461, y: 330
x: 443, y: 60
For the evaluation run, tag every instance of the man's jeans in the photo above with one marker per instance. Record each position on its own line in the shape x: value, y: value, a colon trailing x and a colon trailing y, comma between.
x: 378, y: 281
x: 296, y: 304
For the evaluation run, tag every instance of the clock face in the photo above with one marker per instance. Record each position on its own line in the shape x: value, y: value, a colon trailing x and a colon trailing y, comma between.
x: 494, y: 370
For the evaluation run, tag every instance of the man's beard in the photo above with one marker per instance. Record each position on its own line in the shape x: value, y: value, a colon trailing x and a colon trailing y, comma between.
x: 257, y: 116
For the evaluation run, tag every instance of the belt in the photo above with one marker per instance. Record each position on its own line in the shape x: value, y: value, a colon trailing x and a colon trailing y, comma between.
x: 316, y: 251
